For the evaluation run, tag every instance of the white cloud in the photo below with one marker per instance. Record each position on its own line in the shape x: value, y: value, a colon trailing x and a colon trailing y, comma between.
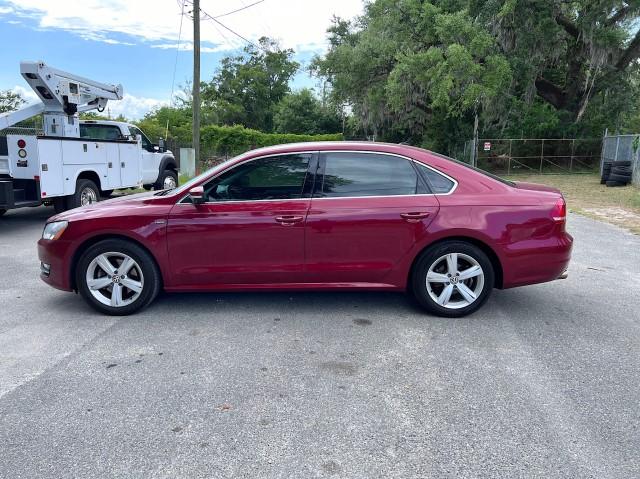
x: 27, y: 93
x: 299, y: 24
x: 132, y: 107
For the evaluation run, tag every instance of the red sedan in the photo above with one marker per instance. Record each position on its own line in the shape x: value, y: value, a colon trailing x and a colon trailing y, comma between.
x: 315, y: 216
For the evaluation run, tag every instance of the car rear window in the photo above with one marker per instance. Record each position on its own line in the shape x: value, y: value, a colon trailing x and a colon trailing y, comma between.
x: 438, y: 183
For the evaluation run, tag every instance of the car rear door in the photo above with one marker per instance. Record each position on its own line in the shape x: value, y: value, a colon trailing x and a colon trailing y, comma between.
x: 250, y: 230
x: 367, y: 212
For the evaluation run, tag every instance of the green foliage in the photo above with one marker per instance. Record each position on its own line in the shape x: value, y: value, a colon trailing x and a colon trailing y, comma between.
x: 10, y: 101
x: 302, y: 112
x: 421, y: 70
x: 247, y: 88
x: 233, y: 140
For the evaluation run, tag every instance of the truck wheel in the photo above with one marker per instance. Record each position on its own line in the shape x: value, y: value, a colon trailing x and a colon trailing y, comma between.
x: 168, y: 179
x: 86, y: 193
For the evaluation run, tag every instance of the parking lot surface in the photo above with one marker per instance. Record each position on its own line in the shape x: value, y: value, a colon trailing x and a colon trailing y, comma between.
x: 544, y: 381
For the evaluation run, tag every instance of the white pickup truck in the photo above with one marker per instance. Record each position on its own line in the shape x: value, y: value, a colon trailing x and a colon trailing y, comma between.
x: 74, y: 162
x: 70, y: 172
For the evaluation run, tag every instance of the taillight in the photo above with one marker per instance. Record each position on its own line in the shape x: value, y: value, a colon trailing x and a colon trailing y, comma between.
x: 22, y: 143
x: 559, y: 212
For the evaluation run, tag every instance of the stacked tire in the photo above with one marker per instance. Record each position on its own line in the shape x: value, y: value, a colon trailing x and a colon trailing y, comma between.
x: 618, y: 173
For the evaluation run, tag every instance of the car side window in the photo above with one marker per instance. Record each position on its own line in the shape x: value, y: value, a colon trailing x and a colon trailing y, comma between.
x: 348, y: 174
x: 438, y: 183
x: 274, y: 178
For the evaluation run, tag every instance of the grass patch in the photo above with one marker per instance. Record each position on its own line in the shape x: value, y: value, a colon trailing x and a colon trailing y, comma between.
x: 585, y: 195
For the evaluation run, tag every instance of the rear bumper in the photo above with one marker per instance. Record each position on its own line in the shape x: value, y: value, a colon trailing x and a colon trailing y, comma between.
x: 537, y: 261
x: 55, y: 257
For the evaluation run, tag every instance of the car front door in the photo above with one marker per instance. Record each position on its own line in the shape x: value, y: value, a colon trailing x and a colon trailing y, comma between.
x: 250, y: 229
x: 367, y: 211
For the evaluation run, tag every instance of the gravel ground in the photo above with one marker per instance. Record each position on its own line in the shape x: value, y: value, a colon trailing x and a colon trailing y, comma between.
x: 544, y: 381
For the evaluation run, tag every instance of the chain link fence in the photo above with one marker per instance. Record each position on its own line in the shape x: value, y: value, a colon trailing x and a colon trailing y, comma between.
x: 513, y: 156
x: 623, y: 148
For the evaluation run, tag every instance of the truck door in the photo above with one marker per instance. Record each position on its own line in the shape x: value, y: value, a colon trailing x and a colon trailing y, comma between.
x: 150, y: 160
x: 130, y: 153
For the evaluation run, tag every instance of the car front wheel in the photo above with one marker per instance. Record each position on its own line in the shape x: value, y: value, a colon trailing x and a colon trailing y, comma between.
x: 452, y: 279
x: 117, y: 277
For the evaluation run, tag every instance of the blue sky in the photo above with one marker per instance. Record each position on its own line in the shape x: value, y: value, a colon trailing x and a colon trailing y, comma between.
x: 134, y: 43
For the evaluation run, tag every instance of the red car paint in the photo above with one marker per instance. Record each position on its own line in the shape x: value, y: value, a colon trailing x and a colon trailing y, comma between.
x: 323, y: 243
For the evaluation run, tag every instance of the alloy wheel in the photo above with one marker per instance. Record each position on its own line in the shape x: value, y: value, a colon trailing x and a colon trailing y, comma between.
x: 115, y: 279
x: 455, y: 280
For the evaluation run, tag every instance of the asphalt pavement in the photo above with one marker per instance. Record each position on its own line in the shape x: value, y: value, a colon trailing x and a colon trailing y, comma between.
x: 544, y: 381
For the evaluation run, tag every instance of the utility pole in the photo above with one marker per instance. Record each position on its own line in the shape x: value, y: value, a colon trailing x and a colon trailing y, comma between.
x: 196, y: 80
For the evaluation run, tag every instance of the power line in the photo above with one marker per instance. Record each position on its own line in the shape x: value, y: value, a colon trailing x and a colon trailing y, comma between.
x: 239, y: 9
x: 175, y: 65
x: 214, y: 19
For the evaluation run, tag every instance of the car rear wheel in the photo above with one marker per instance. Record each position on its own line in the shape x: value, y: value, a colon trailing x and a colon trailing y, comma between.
x: 117, y: 277
x: 452, y: 279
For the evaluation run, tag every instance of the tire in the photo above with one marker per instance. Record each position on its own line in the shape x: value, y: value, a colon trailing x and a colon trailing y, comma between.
x: 620, y: 178
x: 620, y: 163
x: 615, y: 183
x: 60, y: 204
x: 435, y: 259
x: 86, y: 193
x: 143, y: 273
x: 166, y: 177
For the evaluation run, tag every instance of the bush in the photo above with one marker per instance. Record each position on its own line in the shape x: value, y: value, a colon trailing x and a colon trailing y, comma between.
x: 233, y: 140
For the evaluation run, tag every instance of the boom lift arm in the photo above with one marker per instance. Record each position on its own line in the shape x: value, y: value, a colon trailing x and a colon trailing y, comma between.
x: 63, y: 95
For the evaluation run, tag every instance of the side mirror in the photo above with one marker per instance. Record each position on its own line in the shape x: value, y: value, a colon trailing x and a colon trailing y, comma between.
x: 161, y: 145
x: 197, y: 195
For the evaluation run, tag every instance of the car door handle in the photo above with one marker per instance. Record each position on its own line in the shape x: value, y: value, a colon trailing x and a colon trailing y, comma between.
x: 414, y: 216
x: 289, y: 219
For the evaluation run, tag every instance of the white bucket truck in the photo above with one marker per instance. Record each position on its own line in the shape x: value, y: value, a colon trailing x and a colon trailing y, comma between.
x: 74, y: 162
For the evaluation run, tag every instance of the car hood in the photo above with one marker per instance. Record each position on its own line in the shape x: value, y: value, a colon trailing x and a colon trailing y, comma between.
x: 107, y: 207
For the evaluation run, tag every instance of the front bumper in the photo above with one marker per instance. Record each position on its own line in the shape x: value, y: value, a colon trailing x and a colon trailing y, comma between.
x: 57, y: 255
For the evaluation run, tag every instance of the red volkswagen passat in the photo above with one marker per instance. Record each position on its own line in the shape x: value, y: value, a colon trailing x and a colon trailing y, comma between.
x: 315, y: 216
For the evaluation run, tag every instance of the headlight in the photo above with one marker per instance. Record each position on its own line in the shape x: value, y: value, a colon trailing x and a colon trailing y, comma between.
x: 53, y: 231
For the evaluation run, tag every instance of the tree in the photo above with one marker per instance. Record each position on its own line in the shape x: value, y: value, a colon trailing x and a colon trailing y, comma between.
x: 10, y: 101
x: 246, y: 88
x: 302, y: 112
x: 421, y: 70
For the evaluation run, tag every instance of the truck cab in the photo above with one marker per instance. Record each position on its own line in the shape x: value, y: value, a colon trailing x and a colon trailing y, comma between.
x: 158, y: 167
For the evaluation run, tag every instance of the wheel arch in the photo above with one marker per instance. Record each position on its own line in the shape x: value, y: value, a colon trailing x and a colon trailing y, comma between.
x: 89, y: 175
x: 168, y: 162
x: 87, y: 243
x: 491, y: 254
